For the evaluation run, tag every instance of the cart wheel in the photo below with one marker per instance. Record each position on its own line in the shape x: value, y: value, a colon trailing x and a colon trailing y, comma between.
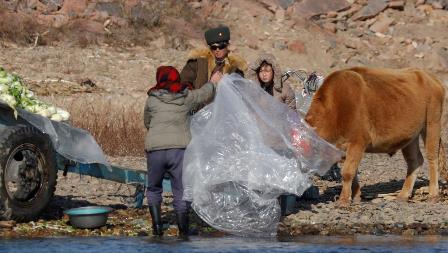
x: 28, y: 173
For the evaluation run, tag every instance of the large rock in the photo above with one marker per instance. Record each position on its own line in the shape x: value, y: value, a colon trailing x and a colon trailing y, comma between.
x: 373, y: 8
x: 309, y: 8
x: 382, y: 24
x: 438, y: 4
x: 297, y: 46
x: 331, y: 27
x: 399, y: 5
x: 348, y: 13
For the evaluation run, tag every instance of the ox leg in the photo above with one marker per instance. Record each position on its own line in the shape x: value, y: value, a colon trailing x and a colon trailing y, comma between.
x: 414, y: 160
x: 432, y: 154
x: 353, y: 158
x: 356, y: 190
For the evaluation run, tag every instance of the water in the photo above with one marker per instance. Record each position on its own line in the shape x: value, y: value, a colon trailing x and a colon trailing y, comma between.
x: 310, y: 244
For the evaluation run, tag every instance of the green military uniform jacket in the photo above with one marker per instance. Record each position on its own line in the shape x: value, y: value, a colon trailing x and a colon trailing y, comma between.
x: 201, y: 63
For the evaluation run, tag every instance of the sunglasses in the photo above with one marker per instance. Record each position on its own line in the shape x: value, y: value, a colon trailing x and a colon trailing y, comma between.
x: 219, y: 46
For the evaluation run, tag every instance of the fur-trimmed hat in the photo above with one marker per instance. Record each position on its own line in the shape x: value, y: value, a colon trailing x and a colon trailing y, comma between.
x: 218, y: 34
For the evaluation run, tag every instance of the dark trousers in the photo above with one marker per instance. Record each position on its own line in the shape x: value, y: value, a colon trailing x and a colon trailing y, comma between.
x: 165, y: 161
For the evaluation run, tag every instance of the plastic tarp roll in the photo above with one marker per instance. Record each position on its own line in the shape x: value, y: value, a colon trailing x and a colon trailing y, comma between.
x: 247, y: 149
x: 73, y: 143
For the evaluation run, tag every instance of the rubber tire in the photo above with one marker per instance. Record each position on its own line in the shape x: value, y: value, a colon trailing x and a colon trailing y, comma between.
x: 13, y: 209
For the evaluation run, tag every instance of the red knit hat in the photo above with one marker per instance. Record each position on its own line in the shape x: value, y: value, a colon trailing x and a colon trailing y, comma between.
x: 168, y: 78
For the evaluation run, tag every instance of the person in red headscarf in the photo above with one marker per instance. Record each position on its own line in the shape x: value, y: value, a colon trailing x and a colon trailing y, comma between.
x: 166, y: 118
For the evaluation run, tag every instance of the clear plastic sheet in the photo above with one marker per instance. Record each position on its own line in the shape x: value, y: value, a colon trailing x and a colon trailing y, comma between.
x: 73, y: 143
x: 248, y: 148
x: 304, y: 96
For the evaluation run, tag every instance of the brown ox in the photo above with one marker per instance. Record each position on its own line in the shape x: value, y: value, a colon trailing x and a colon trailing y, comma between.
x: 381, y: 111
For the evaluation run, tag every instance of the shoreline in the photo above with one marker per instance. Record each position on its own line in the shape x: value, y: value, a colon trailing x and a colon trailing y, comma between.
x: 379, y: 213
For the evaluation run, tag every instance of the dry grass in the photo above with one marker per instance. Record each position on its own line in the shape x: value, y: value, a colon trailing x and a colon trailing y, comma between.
x: 17, y: 27
x: 117, y: 127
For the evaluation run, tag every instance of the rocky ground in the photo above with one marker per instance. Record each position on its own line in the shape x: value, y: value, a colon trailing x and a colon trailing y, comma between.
x: 90, y: 50
x: 379, y: 213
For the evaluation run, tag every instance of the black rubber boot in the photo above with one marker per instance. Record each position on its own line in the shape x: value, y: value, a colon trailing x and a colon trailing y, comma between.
x: 182, y: 224
x: 333, y: 174
x: 283, y: 204
x: 312, y: 193
x: 156, y: 216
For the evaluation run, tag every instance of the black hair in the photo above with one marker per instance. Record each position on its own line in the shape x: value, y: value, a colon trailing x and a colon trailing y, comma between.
x: 268, y: 87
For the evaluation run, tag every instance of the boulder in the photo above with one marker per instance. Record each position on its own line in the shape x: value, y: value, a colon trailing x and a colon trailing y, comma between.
x: 399, y: 5
x: 331, y: 27
x: 332, y: 14
x: 373, y: 8
x: 353, y: 43
x: 349, y: 13
x: 309, y: 8
x: 438, y: 4
x: 382, y: 24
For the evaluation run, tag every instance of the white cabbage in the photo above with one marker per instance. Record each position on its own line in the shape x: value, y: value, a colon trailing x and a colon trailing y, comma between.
x: 64, y: 114
x: 10, y: 100
x: 14, y: 93
x: 56, y: 117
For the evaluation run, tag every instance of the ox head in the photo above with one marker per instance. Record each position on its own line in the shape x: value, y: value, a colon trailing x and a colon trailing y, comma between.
x: 316, y: 110
x: 321, y: 115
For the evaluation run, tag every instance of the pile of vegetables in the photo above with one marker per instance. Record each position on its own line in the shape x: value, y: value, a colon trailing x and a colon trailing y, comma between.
x: 14, y: 93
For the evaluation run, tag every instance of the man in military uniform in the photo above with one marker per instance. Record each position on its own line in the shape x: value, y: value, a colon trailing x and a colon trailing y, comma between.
x: 210, y: 63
